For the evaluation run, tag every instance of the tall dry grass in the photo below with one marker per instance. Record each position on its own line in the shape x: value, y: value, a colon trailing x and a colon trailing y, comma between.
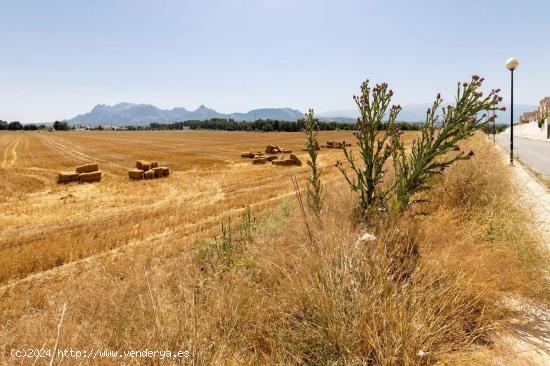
x: 430, y: 289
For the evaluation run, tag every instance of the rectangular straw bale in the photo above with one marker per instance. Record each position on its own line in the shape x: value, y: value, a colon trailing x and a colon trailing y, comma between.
x: 149, y: 174
x: 87, y: 168
x: 158, y: 172
x: 295, y: 159
x: 135, y: 174
x: 143, y: 165
x: 259, y: 161
x: 154, y: 164
x: 91, y: 177
x: 165, y: 171
x: 66, y: 177
x: 283, y: 162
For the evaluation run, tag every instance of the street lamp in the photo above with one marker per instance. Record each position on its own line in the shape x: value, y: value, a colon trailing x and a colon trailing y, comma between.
x: 512, y: 64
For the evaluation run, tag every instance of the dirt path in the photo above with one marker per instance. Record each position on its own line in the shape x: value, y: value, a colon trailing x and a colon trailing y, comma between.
x: 528, y: 339
x: 9, y: 157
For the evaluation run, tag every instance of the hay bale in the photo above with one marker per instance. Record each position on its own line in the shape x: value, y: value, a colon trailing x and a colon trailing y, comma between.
x: 87, y: 168
x: 158, y: 172
x: 149, y: 174
x: 66, y: 177
x: 286, y: 151
x: 154, y: 164
x: 295, y: 159
x: 271, y: 157
x: 283, y: 162
x: 91, y: 177
x: 143, y: 165
x: 247, y: 155
x: 259, y: 161
x: 136, y: 174
x: 165, y: 171
x: 272, y: 149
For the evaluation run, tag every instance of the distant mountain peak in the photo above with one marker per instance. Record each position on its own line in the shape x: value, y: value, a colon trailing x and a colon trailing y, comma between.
x: 203, y: 108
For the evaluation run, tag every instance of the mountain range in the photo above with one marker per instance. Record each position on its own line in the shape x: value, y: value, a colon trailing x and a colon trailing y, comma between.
x: 141, y: 114
x: 417, y: 113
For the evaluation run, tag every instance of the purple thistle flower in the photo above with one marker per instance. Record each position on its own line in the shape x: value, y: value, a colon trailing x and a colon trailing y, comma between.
x: 471, y: 153
x: 456, y: 148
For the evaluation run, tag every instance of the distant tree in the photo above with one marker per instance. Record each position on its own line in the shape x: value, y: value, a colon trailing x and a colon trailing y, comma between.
x: 61, y: 126
x: 16, y: 125
x: 30, y: 127
x: 3, y: 125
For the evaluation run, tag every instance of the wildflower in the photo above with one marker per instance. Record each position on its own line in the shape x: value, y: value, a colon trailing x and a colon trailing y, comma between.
x: 473, y: 120
x: 456, y: 148
x: 422, y: 353
x: 471, y: 153
x: 475, y: 77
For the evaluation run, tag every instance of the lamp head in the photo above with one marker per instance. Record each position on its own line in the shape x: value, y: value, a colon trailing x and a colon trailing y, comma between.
x: 512, y: 63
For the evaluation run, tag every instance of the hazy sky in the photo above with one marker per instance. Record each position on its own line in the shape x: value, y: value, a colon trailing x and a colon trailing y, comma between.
x: 60, y: 58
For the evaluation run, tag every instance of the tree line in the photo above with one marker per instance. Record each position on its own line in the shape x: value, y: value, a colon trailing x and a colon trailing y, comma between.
x: 267, y: 125
x: 16, y: 126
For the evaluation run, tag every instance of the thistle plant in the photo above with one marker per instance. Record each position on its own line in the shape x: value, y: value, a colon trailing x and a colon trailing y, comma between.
x: 437, y: 147
x: 314, y: 188
x: 374, y: 145
x: 434, y: 151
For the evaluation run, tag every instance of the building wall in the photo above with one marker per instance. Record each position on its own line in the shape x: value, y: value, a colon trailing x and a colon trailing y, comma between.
x: 531, y: 130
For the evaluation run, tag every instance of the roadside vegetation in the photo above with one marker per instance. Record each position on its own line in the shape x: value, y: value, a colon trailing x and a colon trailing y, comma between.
x: 408, y: 253
x: 431, y: 286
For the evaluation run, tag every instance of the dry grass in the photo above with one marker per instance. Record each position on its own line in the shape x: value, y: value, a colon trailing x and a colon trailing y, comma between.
x: 434, y: 283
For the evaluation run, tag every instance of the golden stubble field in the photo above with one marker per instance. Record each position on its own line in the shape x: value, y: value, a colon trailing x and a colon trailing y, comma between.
x: 46, y: 225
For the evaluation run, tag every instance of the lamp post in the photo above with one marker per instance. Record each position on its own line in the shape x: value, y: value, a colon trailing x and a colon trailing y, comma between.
x: 512, y: 64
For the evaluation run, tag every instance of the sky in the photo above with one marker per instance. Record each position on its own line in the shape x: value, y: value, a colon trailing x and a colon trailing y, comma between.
x: 59, y: 58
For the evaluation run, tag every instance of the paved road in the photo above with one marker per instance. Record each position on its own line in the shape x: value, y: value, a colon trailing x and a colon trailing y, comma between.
x: 535, y: 153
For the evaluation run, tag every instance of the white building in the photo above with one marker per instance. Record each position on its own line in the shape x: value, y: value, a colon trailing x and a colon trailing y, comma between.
x: 535, y: 124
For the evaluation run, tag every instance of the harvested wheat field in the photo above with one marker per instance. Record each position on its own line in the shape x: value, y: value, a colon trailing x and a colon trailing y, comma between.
x: 45, y: 226
x: 195, y: 260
